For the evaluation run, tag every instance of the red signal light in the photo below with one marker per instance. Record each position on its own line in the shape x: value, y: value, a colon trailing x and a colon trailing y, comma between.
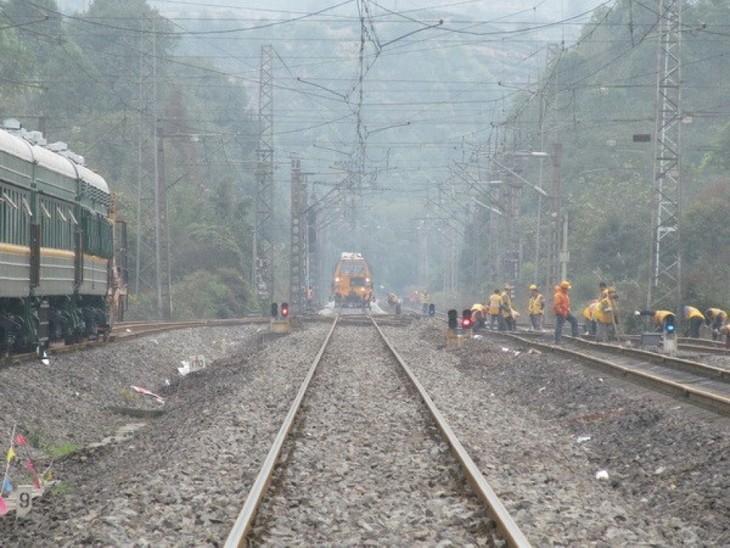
x: 466, y: 319
x: 284, y: 309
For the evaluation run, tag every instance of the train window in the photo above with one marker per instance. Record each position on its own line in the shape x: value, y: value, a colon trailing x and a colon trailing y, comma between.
x: 26, y: 207
x: 9, y: 200
x: 44, y: 222
x: 3, y: 228
x: 17, y: 226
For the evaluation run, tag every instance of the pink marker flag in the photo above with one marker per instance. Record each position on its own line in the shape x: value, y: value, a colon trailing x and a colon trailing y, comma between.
x: 20, y: 439
x: 29, y: 466
x: 3, y: 507
x: 147, y: 393
x: 36, y: 481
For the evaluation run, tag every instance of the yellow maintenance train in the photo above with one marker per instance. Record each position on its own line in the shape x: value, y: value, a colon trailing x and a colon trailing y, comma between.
x: 352, y: 283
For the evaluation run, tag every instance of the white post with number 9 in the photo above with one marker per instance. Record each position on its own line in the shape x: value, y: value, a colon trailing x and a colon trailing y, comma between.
x: 24, y: 500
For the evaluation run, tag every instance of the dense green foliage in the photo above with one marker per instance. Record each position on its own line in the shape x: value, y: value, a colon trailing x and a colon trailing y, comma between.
x: 595, y: 96
x: 81, y: 80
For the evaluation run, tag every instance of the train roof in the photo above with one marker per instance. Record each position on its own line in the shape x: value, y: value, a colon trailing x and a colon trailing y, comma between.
x: 53, y: 161
x: 349, y: 256
x: 94, y: 179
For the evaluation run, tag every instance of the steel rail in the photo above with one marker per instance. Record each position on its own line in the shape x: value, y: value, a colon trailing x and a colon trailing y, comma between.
x: 691, y: 344
x: 716, y: 402
x: 237, y: 536
x: 704, y: 348
x: 696, y: 368
x: 141, y: 329
x: 505, y: 524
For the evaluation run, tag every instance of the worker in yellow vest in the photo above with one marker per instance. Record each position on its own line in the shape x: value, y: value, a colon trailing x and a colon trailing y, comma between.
x: 694, y: 319
x: 606, y: 316
x: 536, y: 308
x: 715, y: 318
x: 495, y: 300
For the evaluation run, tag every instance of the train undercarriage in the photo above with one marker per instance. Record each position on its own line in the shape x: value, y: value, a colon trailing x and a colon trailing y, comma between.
x: 33, y: 323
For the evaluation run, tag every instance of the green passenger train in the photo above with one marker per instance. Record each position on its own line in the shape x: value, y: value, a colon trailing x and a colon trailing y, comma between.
x: 56, y: 244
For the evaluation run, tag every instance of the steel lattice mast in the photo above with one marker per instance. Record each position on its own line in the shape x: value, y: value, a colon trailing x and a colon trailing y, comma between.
x: 263, y: 247
x: 298, y: 237
x: 665, y: 279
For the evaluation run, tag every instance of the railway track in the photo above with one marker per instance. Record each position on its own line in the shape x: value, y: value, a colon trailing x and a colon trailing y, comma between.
x: 355, y: 458
x: 695, y: 382
x: 127, y: 331
x: 124, y: 330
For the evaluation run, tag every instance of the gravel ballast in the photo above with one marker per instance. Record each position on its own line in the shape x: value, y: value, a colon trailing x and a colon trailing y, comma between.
x: 539, y: 427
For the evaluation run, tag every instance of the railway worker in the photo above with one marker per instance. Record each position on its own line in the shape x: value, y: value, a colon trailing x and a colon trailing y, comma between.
x: 657, y: 316
x: 561, y: 308
x: 425, y: 301
x: 605, y: 314
x: 505, y: 307
x: 536, y: 308
x: 478, y: 316
x: 694, y: 319
x: 590, y: 325
x: 495, y: 300
x: 715, y: 319
x: 394, y: 303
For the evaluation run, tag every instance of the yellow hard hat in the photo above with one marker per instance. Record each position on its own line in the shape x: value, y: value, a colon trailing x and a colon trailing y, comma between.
x: 533, y: 286
x: 565, y: 284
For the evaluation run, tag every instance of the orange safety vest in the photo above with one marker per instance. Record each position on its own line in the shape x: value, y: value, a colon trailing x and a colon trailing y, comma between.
x: 561, y: 303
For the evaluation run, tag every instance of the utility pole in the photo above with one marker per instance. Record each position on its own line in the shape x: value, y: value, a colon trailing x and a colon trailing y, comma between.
x: 146, y: 144
x: 513, y: 236
x: 162, y: 247
x: 312, y: 267
x: 495, y: 241
x: 665, y: 288
x: 262, y: 275
x: 422, y: 230
x: 555, y: 220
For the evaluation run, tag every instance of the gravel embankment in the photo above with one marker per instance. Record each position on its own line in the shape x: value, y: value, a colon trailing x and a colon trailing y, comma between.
x: 182, y: 479
x: 539, y: 427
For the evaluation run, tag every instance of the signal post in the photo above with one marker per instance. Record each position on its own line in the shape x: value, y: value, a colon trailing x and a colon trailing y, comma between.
x: 457, y: 333
x: 670, y: 335
x: 667, y: 339
x: 279, y: 322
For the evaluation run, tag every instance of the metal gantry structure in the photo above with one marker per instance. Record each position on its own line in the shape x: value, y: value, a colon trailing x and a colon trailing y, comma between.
x: 298, y: 252
x: 665, y: 278
x: 263, y: 246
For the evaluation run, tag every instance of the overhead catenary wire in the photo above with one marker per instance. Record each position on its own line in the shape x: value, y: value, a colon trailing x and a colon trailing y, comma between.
x: 421, y: 111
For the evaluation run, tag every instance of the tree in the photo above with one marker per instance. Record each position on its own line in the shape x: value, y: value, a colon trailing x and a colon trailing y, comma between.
x: 706, y: 248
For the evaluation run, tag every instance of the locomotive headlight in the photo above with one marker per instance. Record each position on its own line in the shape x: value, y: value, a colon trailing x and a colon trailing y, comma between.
x: 337, y: 278
x: 367, y: 280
